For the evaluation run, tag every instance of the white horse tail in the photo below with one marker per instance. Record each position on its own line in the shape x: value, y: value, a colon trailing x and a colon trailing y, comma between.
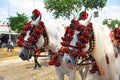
x: 104, y: 47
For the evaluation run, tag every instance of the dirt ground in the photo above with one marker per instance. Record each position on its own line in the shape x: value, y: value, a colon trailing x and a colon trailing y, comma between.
x: 13, y: 68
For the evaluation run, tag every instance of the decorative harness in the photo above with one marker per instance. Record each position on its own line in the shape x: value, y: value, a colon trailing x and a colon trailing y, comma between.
x: 35, y: 33
x: 85, y: 35
x: 115, y: 36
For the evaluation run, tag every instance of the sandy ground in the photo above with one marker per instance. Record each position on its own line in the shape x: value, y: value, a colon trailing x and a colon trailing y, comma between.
x: 15, y: 69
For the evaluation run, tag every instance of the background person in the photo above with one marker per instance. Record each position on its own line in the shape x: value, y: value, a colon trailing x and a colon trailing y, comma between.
x: 10, y: 46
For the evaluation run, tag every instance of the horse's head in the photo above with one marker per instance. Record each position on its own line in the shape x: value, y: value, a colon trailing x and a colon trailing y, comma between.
x: 78, y: 40
x: 69, y: 61
x: 31, y: 38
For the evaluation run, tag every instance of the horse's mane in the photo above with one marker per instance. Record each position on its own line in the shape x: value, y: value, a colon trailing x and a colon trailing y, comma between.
x: 104, y: 48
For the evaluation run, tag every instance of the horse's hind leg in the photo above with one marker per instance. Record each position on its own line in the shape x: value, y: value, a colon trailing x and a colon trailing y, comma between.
x: 37, y: 65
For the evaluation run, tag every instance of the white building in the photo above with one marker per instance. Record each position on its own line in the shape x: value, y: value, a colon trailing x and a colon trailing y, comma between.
x: 6, y: 34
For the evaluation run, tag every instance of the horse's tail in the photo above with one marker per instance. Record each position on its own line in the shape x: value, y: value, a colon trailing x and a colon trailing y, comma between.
x: 104, y: 51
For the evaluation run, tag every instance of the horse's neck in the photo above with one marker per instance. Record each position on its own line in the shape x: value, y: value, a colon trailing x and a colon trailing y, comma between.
x: 40, y: 41
x: 54, y: 33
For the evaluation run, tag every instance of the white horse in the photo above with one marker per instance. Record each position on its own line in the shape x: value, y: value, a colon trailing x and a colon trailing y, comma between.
x: 49, y: 39
x: 54, y: 34
x: 104, y: 52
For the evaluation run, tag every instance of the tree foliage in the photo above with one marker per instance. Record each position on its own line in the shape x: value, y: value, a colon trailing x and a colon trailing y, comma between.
x: 112, y: 24
x: 65, y: 8
x: 16, y: 23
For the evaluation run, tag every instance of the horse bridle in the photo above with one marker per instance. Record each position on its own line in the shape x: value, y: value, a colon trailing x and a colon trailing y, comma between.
x: 34, y: 46
x: 89, y: 51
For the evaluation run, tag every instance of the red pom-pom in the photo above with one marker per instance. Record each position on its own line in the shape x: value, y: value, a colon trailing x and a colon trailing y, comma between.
x: 62, y: 43
x: 83, y: 15
x: 78, y: 44
x: 81, y: 38
x: 51, y: 62
x: 36, y: 12
x: 57, y: 64
x: 41, y: 23
x: 71, y: 32
x: 86, y: 33
x: 20, y: 43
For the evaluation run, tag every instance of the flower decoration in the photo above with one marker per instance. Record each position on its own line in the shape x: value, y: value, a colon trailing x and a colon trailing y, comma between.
x: 84, y: 36
x: 35, y: 32
x: 36, y: 12
x: 55, y: 60
x: 83, y: 15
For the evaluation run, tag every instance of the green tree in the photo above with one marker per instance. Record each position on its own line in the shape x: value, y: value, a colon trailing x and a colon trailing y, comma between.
x: 112, y: 24
x: 66, y: 8
x: 16, y: 23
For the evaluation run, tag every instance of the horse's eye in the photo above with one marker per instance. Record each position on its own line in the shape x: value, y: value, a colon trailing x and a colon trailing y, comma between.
x: 68, y: 61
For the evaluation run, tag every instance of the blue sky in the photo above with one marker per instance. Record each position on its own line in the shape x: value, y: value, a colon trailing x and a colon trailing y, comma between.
x: 113, y: 2
x: 112, y: 10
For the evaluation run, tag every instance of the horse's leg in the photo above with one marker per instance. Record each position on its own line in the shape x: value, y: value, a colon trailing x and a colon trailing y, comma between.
x: 37, y: 65
x: 72, y: 75
x: 115, y: 78
x: 35, y: 62
x: 97, y: 76
x: 84, y: 74
x: 81, y: 74
x: 60, y: 74
x: 38, y: 62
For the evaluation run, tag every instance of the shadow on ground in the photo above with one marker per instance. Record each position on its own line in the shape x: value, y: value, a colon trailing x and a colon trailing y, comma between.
x: 2, y: 78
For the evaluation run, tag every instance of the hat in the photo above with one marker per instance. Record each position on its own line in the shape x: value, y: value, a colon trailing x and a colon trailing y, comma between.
x: 36, y: 12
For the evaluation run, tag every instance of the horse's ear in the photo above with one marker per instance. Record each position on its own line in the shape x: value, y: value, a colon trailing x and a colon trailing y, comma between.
x: 90, y: 18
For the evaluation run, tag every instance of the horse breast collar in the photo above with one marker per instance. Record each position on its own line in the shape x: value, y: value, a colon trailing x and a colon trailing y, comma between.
x: 35, y: 32
x: 86, y: 35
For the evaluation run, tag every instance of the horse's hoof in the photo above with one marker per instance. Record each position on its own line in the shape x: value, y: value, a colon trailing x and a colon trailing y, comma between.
x: 37, y: 67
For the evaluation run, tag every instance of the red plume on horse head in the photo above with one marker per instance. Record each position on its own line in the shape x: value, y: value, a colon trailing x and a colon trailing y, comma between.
x: 35, y: 14
x: 83, y: 15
